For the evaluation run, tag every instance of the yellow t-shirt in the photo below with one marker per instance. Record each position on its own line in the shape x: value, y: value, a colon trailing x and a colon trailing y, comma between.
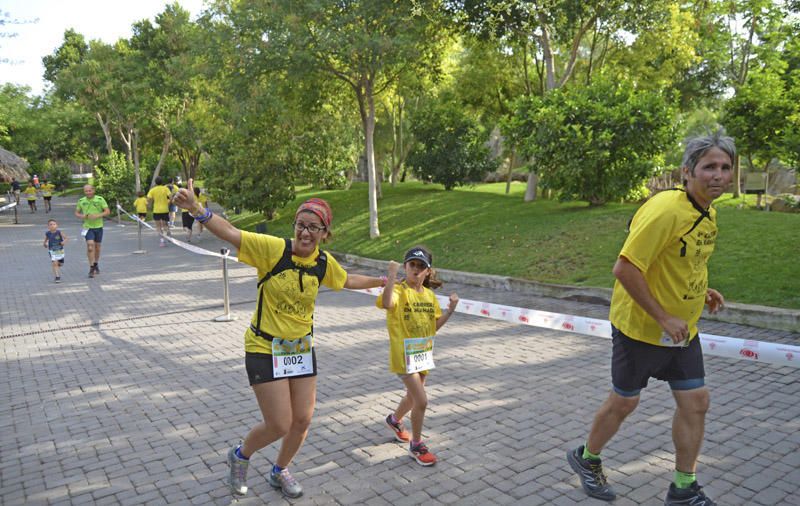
x: 30, y: 191
x: 160, y: 196
x: 141, y: 205
x: 47, y: 189
x: 203, y: 199
x: 414, y: 314
x: 287, y: 312
x: 671, y: 239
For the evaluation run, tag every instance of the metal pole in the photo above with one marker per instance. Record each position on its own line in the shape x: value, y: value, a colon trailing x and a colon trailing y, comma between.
x: 225, y: 292
x: 140, y: 250
x: 119, y: 216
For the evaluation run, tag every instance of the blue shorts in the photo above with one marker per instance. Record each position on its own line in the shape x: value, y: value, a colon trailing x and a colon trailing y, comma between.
x: 94, y: 234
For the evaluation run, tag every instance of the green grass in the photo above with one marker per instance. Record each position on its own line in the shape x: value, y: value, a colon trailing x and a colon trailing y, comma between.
x: 481, y: 229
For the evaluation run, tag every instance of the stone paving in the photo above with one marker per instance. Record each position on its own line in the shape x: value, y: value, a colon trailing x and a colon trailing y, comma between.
x: 121, y: 390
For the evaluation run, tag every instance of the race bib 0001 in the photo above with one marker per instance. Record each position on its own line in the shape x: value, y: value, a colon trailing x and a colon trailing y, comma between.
x: 292, y: 357
x: 419, y: 354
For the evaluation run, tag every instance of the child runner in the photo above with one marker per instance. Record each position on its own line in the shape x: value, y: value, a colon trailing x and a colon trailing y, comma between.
x: 31, y: 192
x: 54, y: 241
x: 202, y: 198
x: 140, y: 204
x: 413, y: 316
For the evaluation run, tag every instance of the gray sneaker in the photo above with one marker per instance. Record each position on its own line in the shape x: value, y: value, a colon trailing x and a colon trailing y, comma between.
x: 593, y: 479
x: 286, y: 482
x: 237, y: 476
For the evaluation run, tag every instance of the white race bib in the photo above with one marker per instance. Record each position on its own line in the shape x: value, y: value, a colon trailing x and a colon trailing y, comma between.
x: 666, y: 340
x: 84, y: 231
x: 56, y: 254
x: 292, y: 357
x: 419, y: 354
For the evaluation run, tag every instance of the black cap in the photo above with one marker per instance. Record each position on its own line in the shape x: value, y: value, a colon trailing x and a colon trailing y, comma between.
x: 418, y: 254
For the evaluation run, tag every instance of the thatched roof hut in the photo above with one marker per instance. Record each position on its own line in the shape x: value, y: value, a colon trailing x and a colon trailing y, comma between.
x: 12, y: 166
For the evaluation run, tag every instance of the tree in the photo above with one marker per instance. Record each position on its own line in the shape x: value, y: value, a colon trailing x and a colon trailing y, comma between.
x: 759, y: 117
x: 451, y: 149
x: 365, y: 44
x: 557, y: 35
x: 596, y: 143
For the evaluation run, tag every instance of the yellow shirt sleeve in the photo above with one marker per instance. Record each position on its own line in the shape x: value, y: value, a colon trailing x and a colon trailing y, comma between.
x: 335, y: 275
x: 649, y: 233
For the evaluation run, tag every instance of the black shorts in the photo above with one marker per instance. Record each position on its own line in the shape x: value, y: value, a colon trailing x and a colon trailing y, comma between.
x: 161, y: 216
x: 142, y: 216
x: 187, y: 220
x: 47, y: 198
x: 259, y: 367
x: 634, y: 362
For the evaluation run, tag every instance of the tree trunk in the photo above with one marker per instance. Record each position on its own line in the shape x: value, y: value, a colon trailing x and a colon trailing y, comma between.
x: 366, y: 105
x: 106, y: 126
x: 547, y: 56
x: 737, y: 177
x: 530, y: 190
x: 136, y: 173
x: 511, y: 163
x: 164, y: 150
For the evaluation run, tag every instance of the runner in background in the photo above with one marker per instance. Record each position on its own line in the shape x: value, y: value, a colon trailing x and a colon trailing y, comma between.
x: 47, y: 194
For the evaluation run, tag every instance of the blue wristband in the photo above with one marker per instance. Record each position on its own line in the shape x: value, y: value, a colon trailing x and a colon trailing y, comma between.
x: 205, y: 216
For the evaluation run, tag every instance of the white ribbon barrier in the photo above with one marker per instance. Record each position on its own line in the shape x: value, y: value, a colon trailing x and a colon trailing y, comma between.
x: 176, y: 242
x: 721, y: 346
x: 8, y: 206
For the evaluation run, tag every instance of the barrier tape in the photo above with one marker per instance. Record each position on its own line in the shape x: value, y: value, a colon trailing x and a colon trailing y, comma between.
x: 8, y: 206
x: 176, y: 242
x: 720, y: 346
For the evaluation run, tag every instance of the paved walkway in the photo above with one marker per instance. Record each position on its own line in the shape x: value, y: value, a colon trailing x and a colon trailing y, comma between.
x: 121, y: 390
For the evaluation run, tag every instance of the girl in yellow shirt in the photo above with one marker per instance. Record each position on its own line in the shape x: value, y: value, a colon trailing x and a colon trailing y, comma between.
x: 413, y: 316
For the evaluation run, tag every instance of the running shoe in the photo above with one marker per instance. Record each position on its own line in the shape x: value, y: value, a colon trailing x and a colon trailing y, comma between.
x: 237, y: 475
x: 692, y: 496
x: 400, y: 433
x: 421, y: 454
x: 286, y: 482
x: 58, y: 279
x: 591, y: 474
x: 96, y: 268
x: 91, y: 271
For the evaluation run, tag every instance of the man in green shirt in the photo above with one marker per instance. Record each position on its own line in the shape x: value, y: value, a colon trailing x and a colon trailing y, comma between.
x: 92, y: 209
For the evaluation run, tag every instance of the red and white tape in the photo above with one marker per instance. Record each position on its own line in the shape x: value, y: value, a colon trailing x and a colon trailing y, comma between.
x: 721, y: 346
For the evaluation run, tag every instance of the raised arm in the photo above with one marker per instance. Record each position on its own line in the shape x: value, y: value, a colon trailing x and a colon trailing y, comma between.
x: 216, y: 224
x: 386, y: 298
x: 451, y: 308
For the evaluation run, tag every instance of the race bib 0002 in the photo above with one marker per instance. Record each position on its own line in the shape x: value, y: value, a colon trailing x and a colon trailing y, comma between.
x: 292, y: 357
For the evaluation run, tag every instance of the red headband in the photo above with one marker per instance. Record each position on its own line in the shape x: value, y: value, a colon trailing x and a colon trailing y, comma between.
x: 318, y: 207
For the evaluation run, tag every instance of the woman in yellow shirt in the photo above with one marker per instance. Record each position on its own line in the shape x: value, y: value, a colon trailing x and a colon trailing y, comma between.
x: 279, y: 344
